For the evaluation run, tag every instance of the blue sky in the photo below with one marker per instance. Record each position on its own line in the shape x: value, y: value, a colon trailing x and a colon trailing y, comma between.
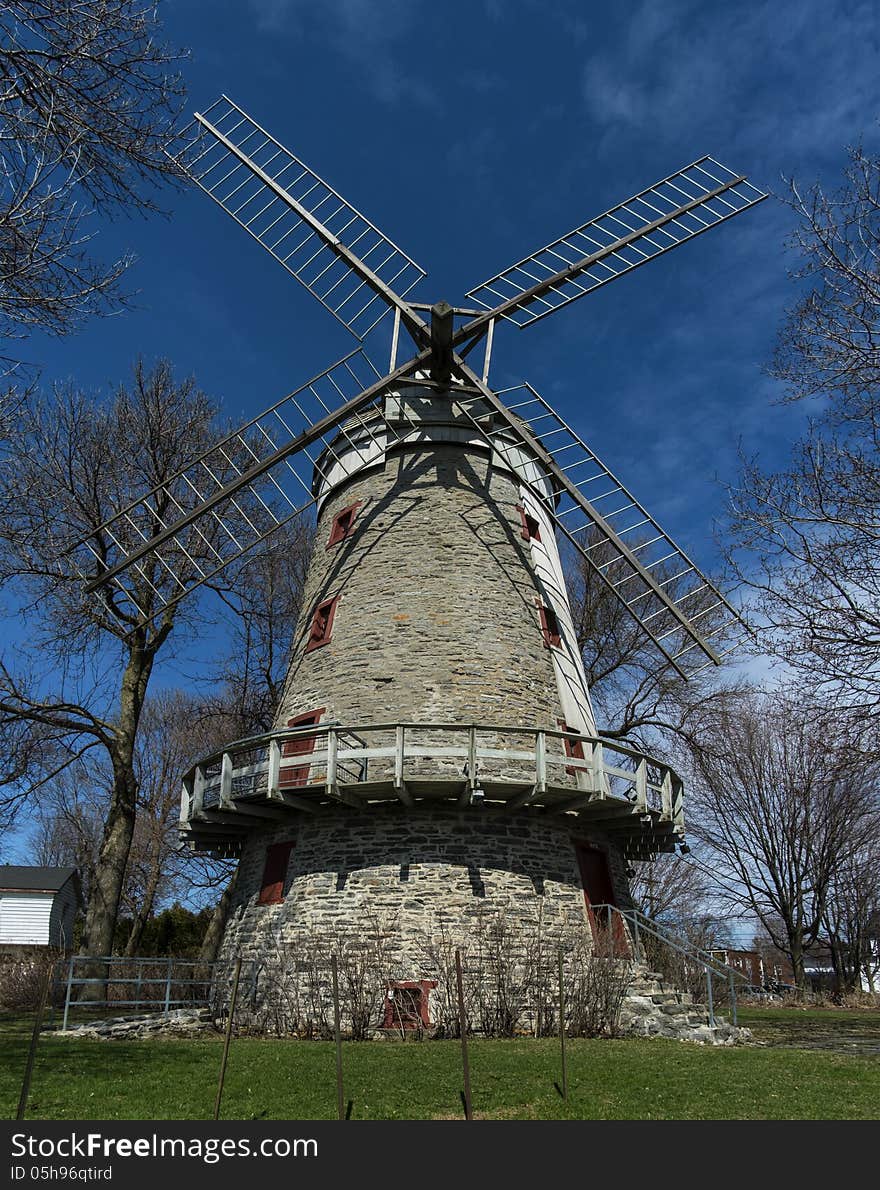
x: 473, y: 132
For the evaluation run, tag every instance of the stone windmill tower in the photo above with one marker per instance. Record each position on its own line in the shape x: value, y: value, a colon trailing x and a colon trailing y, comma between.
x: 435, y: 754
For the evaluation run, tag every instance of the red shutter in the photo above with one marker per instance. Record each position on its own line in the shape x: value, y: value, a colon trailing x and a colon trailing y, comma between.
x: 274, y: 872
x: 292, y: 775
x: 322, y: 623
x: 573, y: 748
x: 531, y: 529
x: 549, y: 626
x: 342, y: 524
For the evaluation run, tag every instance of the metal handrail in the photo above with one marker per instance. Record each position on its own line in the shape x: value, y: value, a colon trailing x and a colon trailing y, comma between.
x: 641, y: 923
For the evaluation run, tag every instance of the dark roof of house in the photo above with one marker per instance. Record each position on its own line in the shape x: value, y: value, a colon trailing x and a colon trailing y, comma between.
x: 23, y: 879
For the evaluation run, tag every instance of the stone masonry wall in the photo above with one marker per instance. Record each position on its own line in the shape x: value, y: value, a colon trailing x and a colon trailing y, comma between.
x: 437, y: 619
x: 417, y: 877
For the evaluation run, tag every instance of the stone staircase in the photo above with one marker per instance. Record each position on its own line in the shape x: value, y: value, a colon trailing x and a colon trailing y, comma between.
x: 652, y: 1010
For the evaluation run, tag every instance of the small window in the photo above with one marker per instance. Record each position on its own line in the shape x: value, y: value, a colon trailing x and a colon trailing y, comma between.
x: 298, y: 774
x: 531, y: 529
x: 322, y: 623
x: 406, y: 1004
x: 342, y: 524
x: 549, y: 626
x: 274, y: 872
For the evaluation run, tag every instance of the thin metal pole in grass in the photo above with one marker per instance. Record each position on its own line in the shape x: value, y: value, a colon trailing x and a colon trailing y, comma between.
x: 564, y: 1087
x: 337, y: 1033
x: 228, y: 1037
x: 35, y: 1037
x: 462, y: 1024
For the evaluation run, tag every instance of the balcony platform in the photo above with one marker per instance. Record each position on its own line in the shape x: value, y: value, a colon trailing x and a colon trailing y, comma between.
x: 315, y: 770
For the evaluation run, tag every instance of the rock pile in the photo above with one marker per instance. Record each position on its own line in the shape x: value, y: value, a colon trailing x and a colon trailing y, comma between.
x: 177, y: 1022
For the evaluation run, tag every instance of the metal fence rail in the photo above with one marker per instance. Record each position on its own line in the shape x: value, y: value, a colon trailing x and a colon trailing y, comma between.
x: 160, y: 983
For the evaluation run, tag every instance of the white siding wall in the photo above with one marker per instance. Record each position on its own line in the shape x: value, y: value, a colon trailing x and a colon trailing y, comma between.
x: 24, y: 918
x: 61, y: 921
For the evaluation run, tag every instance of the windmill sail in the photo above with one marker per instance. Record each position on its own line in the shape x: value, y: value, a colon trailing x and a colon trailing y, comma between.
x: 342, y: 258
x: 671, y: 600
x: 184, y: 532
x: 672, y: 211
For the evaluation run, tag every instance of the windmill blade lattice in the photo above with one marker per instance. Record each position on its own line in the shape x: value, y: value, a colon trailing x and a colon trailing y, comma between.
x: 342, y: 258
x: 674, y: 210
x: 184, y: 532
x: 676, y: 605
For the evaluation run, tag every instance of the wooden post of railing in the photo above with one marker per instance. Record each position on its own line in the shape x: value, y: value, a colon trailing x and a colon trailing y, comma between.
x: 598, y: 767
x: 540, y: 763
x: 273, y: 773
x: 198, y: 791
x: 398, y: 755
x: 666, y: 796
x: 226, y: 781
x: 332, y: 748
x: 642, y: 786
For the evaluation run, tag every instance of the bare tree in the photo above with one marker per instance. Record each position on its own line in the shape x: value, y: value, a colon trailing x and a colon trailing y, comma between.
x: 263, y: 595
x: 81, y: 674
x: 780, y: 801
x: 805, y: 539
x: 670, y: 888
x: 851, y: 921
x: 88, y: 97
x: 636, y: 694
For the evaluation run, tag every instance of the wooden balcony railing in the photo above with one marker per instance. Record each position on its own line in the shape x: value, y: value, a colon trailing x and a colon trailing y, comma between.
x: 308, y: 769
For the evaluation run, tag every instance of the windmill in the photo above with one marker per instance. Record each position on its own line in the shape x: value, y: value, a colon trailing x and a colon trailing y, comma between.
x: 435, y: 741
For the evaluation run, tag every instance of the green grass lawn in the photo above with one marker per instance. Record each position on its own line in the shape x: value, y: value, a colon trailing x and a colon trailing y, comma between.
x: 269, y: 1079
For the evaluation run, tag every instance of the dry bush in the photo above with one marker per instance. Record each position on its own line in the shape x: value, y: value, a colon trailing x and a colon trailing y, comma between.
x: 597, y: 984
x: 509, y: 969
x: 22, y: 980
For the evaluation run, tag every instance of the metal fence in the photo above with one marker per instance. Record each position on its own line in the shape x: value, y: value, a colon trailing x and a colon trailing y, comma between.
x: 128, y: 984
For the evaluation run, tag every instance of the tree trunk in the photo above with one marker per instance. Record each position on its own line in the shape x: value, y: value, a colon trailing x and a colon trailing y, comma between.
x: 103, y: 906
x: 211, y: 942
x: 106, y: 887
x: 797, y: 965
x: 142, y: 916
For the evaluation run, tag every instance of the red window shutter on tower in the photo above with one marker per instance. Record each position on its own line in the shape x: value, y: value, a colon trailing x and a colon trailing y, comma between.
x: 291, y: 775
x: 531, y: 528
x: 322, y: 623
x: 342, y: 524
x: 549, y: 626
x: 274, y: 872
x: 574, y: 748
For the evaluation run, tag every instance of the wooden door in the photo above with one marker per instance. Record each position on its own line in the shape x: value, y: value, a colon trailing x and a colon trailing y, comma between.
x: 599, y: 891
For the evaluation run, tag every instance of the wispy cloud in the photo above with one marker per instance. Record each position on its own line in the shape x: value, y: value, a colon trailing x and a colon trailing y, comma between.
x: 371, y: 35
x: 738, y: 73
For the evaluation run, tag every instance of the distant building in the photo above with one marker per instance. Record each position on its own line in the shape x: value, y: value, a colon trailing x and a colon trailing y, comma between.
x: 38, y: 905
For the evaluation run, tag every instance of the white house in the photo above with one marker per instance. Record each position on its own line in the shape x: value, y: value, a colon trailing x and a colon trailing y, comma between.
x: 37, y: 906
